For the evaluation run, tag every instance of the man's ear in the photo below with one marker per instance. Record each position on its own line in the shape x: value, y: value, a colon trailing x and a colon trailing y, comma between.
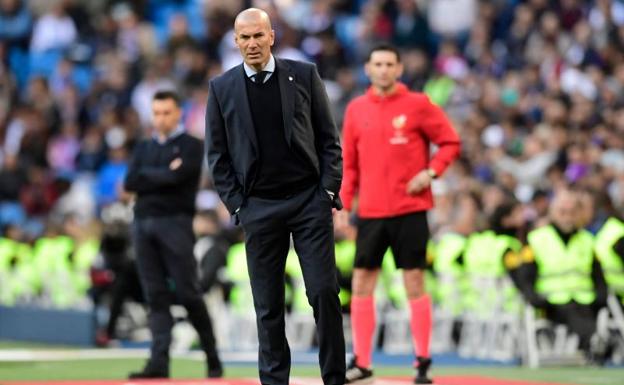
x: 400, y: 69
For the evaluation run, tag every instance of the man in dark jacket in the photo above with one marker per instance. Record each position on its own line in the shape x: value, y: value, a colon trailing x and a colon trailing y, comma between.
x: 276, y: 161
x: 164, y: 173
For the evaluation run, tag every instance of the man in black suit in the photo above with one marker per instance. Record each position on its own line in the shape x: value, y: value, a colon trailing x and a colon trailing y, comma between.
x: 275, y: 156
x: 164, y: 174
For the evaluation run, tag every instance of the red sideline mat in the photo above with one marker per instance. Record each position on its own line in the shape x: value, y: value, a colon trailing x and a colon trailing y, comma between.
x: 438, y: 380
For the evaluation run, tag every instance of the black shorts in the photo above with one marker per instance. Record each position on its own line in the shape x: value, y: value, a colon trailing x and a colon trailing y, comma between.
x: 407, y: 236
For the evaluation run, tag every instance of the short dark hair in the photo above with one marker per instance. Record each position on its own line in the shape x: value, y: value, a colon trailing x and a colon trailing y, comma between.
x: 384, y: 47
x: 167, y: 94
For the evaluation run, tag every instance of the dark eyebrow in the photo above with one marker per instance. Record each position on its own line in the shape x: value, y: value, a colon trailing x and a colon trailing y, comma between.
x: 256, y: 35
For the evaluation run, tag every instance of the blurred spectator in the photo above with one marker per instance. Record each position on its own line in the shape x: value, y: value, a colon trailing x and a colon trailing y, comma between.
x: 6, y: 87
x: 128, y: 35
x: 195, y: 112
x: 518, y: 36
x: 532, y: 165
x: 452, y: 19
x: 61, y: 78
x: 570, y: 12
x: 196, y: 72
x: 113, y: 91
x: 71, y: 108
x: 330, y: 57
x: 411, y: 29
x: 33, y: 140
x: 12, y: 179
x: 78, y: 12
x: 41, y: 99
x: 144, y: 92
x: 64, y: 148
x: 54, y: 30
x: 92, y: 151
x: 109, y: 180
x: 39, y: 194
x: 348, y: 89
x: 179, y: 36
x: 15, y: 23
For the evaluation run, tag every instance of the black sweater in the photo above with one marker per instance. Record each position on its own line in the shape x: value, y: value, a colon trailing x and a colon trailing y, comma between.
x: 160, y: 190
x: 282, y: 171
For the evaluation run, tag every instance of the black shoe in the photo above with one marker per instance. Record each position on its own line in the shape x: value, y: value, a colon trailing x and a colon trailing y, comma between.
x: 358, y: 375
x: 213, y: 363
x: 149, y: 373
x: 422, y: 369
x: 215, y: 373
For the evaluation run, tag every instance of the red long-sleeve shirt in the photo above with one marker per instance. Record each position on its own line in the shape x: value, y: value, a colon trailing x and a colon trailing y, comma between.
x: 386, y: 142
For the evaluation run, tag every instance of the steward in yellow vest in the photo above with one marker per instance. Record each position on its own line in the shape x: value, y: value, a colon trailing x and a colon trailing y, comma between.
x: 486, y: 258
x: 610, y: 251
x: 560, y: 272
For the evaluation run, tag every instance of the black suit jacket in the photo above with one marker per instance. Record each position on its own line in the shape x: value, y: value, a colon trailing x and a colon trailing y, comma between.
x: 231, y: 143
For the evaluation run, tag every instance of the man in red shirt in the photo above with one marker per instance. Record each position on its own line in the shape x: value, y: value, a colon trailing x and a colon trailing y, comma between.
x: 387, y: 164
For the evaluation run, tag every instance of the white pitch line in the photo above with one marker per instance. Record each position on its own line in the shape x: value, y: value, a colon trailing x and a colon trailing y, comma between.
x: 16, y: 355
x: 24, y: 355
x: 377, y: 381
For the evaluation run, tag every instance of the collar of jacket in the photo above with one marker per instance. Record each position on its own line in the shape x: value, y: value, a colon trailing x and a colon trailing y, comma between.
x: 400, y: 89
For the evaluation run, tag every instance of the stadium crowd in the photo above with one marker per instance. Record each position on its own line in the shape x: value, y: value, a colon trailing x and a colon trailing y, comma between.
x: 535, y: 88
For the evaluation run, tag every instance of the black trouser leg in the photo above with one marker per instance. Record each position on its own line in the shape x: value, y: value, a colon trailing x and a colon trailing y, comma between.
x: 118, y: 295
x: 158, y: 295
x: 123, y: 287
x: 313, y: 237
x: 267, y: 242
x: 268, y: 224
x: 176, y: 241
x: 580, y: 319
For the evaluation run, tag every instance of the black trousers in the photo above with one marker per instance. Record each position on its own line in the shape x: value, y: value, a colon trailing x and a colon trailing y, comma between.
x: 126, y: 285
x: 580, y: 319
x: 168, y: 272
x: 268, y: 225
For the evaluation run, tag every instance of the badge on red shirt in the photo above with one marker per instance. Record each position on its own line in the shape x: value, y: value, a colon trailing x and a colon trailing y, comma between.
x: 398, y: 123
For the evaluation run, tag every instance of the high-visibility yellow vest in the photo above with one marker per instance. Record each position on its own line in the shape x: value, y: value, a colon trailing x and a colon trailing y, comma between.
x: 8, y: 248
x: 84, y: 256
x: 54, y: 259
x: 563, y: 271
x: 23, y: 275
x: 431, y: 282
x: 345, y: 256
x: 484, y: 268
x: 449, y: 272
x: 448, y: 250
x: 298, y: 295
x: 240, y: 297
x: 484, y: 253
x: 393, y: 282
x: 610, y: 261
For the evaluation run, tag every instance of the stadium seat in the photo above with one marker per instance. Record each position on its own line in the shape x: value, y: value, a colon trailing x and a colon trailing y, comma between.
x: 547, y: 344
x: 614, y: 332
x: 491, y: 328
